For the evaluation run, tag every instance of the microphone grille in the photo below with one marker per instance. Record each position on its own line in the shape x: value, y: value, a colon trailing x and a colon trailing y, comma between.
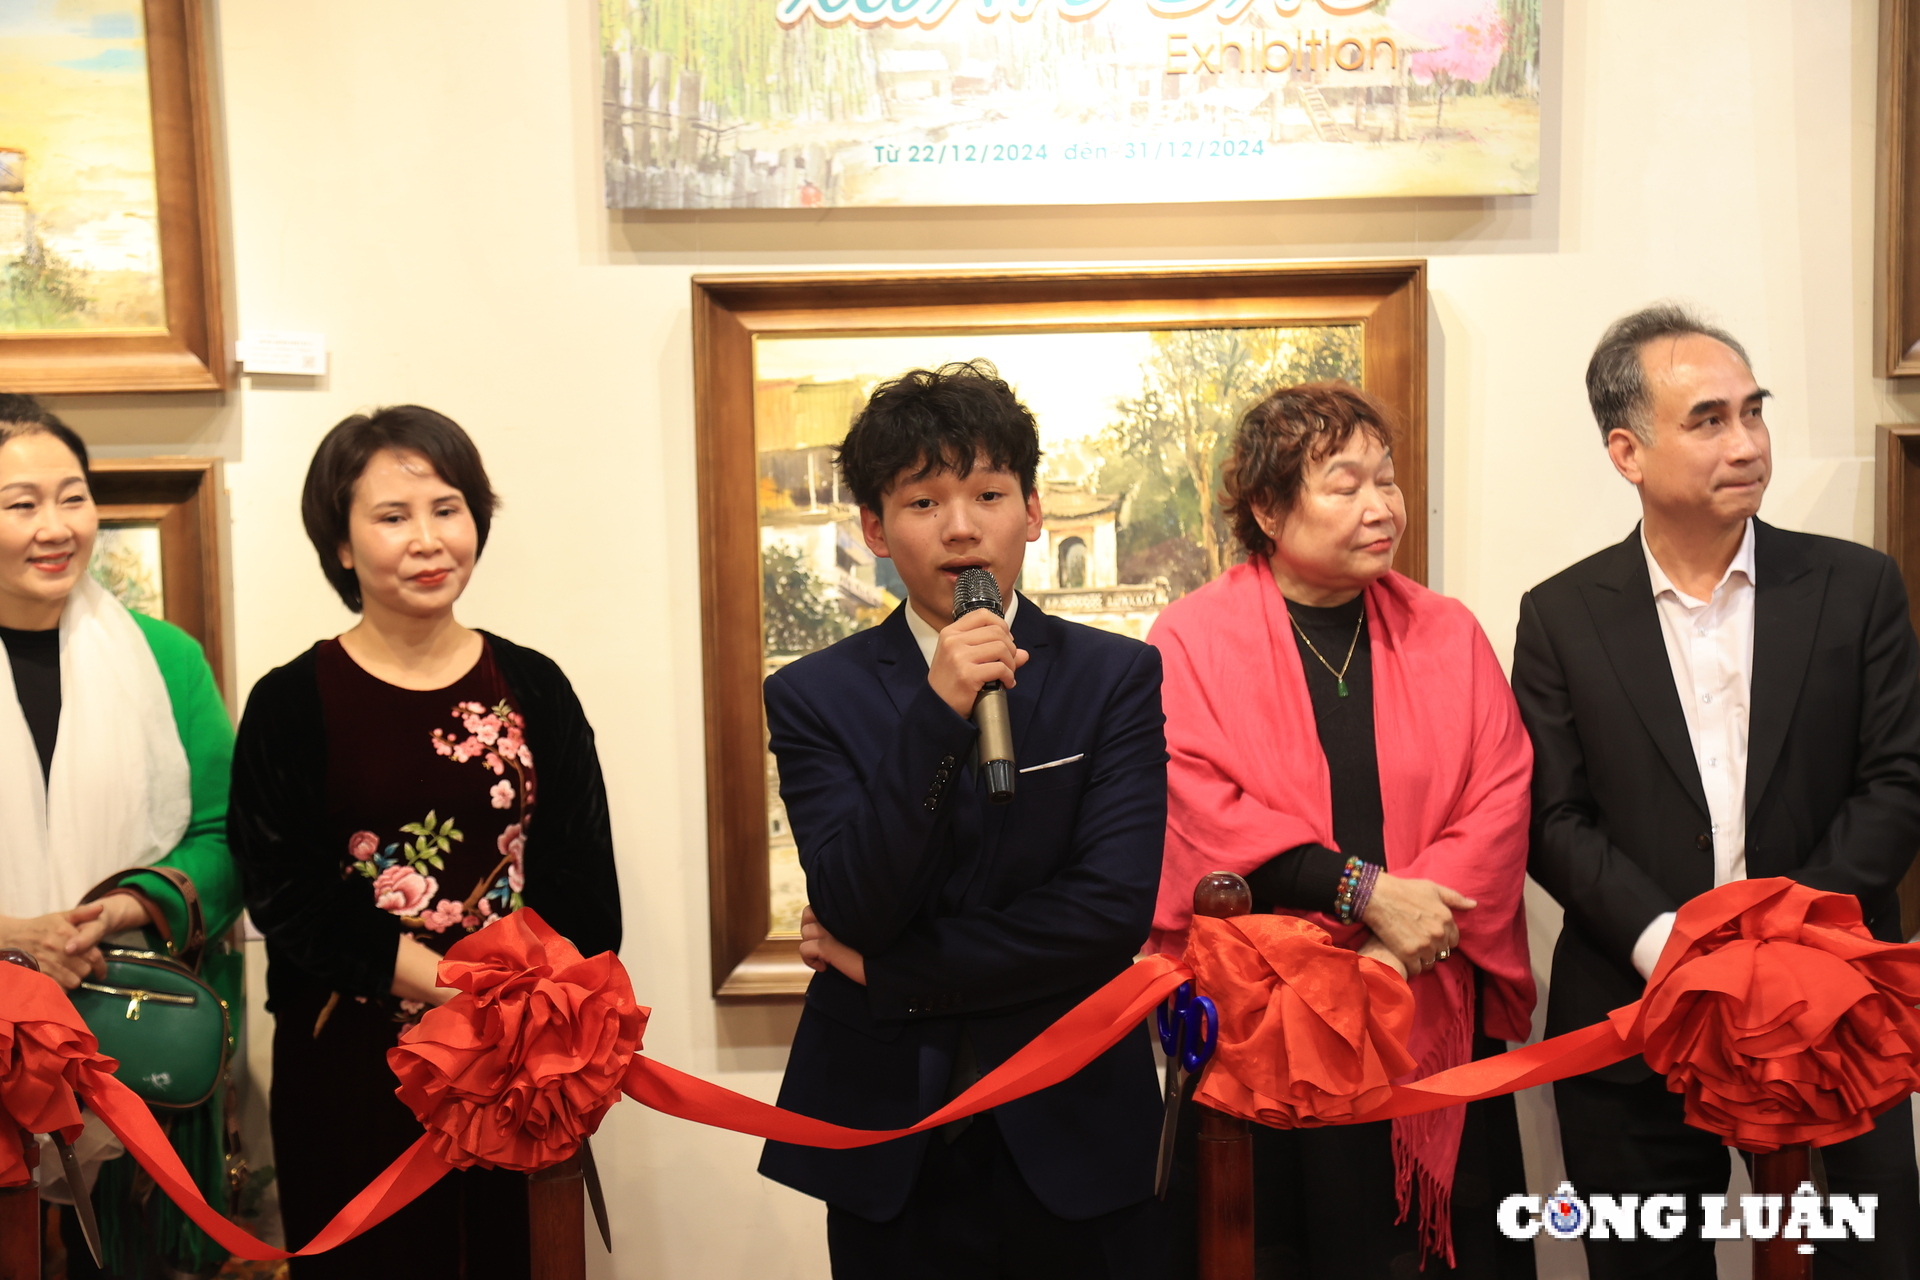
x: 976, y: 589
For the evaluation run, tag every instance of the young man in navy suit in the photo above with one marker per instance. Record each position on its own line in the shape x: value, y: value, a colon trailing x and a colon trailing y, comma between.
x: 947, y: 931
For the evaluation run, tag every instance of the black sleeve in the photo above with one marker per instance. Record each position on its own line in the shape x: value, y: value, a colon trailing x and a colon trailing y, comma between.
x: 571, y: 878
x: 1870, y: 842
x: 325, y: 923
x: 874, y: 846
x: 1601, y: 889
x: 1304, y: 878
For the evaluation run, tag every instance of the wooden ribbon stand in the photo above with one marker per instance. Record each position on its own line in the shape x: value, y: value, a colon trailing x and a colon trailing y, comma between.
x: 1780, y: 1173
x: 20, y: 1206
x: 1224, y: 1153
x: 20, y: 1215
x: 556, y: 1222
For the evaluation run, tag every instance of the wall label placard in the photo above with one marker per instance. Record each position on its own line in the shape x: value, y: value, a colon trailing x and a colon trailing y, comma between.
x: 851, y: 103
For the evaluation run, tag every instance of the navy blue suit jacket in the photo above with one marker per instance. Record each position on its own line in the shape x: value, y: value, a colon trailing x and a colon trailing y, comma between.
x: 992, y: 918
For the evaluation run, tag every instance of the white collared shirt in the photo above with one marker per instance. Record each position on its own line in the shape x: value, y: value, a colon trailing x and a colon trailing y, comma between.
x: 1710, y: 650
x: 928, y: 639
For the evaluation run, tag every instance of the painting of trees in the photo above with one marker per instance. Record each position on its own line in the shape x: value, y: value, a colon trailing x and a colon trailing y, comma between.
x: 1472, y: 33
x: 1166, y: 442
x: 39, y: 290
x: 796, y: 605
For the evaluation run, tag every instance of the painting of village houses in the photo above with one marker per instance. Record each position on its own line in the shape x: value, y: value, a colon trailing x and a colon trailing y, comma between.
x: 831, y: 103
x: 1134, y: 427
x: 79, y: 210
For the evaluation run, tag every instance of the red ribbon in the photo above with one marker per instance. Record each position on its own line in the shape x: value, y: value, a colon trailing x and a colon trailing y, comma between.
x: 1773, y: 1010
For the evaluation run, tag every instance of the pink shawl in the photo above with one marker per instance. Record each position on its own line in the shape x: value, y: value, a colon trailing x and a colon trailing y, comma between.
x: 1248, y: 780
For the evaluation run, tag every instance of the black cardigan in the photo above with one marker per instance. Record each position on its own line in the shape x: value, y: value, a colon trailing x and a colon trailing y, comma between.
x: 322, y: 928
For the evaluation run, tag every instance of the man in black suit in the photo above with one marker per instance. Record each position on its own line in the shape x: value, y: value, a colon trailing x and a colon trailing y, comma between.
x: 1711, y: 699
x: 947, y: 931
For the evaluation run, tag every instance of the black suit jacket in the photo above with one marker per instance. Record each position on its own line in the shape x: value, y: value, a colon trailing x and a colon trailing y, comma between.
x: 1620, y: 821
x: 996, y: 919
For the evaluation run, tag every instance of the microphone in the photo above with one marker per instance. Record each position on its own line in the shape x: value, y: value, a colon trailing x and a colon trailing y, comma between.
x: 976, y: 589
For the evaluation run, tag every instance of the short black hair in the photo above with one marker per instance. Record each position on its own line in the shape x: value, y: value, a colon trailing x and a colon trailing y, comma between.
x: 1616, y: 378
x: 945, y: 419
x: 343, y: 456
x: 24, y: 416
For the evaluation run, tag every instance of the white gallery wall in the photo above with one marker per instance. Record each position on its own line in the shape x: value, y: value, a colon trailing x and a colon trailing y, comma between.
x: 421, y: 183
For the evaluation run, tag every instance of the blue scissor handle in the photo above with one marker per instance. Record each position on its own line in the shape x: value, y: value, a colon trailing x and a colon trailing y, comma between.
x: 1170, y: 1037
x: 1195, y: 1055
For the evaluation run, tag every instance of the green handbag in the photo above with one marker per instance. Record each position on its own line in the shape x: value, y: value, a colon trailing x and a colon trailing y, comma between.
x: 171, y: 1033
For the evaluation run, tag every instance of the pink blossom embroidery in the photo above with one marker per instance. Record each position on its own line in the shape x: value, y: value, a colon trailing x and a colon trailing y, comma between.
x: 513, y: 844
x: 403, y: 891
x: 496, y: 737
x: 443, y: 917
x: 363, y: 845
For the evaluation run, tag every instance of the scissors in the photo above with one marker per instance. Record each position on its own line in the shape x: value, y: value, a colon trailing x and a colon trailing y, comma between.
x: 1189, y: 1028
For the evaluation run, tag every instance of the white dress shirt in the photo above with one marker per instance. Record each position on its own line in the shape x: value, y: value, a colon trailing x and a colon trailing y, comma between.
x: 928, y: 639
x: 1710, y: 648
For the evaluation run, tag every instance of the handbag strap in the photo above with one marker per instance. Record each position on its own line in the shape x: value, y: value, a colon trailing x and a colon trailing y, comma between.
x: 187, y: 953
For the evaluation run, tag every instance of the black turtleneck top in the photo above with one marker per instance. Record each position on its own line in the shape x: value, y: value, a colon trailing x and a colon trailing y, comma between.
x: 1308, y: 876
x: 35, y: 659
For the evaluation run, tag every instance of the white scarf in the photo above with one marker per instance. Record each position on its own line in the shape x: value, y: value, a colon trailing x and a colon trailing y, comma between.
x: 120, y: 794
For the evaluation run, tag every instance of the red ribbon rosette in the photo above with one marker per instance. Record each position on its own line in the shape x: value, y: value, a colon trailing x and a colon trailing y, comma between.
x: 1310, y: 1033
x: 1779, y: 1017
x: 519, y: 1068
x: 46, y: 1053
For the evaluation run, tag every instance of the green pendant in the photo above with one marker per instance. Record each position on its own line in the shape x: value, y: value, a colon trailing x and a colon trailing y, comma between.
x: 1343, y: 688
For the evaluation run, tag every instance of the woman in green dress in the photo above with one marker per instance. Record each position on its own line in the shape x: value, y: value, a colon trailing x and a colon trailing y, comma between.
x: 114, y: 756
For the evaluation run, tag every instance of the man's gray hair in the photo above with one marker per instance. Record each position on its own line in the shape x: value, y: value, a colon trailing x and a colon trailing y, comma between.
x: 1616, y: 379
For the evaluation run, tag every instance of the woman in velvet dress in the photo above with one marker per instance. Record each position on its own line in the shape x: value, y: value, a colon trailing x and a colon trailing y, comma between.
x: 1345, y: 739
x: 395, y: 789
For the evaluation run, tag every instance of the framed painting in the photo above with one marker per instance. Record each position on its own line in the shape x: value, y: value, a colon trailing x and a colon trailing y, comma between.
x: 1137, y: 378
x: 1896, y: 531
x: 109, y: 261
x: 1900, y: 188
x: 159, y: 544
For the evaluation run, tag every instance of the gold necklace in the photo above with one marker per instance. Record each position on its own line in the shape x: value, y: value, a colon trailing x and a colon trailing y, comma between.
x: 1340, y: 676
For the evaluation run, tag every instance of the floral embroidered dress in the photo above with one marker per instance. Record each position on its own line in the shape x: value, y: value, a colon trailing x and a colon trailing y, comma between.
x: 429, y: 794
x: 362, y: 812
x: 428, y: 799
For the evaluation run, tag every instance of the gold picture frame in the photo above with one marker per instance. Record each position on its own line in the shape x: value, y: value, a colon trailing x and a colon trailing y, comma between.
x: 178, y: 499
x: 187, y: 352
x: 734, y: 315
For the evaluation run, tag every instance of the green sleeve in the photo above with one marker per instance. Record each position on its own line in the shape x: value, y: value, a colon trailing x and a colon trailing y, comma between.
x: 207, y: 734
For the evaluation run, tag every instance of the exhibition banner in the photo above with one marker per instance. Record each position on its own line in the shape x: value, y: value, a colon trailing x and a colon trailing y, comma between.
x: 713, y: 104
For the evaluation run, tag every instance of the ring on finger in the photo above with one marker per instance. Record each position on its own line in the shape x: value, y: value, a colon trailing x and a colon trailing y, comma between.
x: 1444, y: 953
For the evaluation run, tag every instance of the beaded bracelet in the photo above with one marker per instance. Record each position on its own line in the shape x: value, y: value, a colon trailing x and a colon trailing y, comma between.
x: 1349, y: 885
x: 1363, y: 891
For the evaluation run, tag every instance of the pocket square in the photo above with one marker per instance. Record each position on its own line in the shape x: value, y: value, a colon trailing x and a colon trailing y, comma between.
x: 1035, y: 768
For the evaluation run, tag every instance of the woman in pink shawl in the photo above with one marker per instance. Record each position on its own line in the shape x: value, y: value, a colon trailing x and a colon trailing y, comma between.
x: 1344, y: 738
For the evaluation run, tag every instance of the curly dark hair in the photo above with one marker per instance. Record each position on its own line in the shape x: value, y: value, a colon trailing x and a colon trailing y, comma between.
x: 1280, y: 437
x: 343, y: 456
x: 932, y: 420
